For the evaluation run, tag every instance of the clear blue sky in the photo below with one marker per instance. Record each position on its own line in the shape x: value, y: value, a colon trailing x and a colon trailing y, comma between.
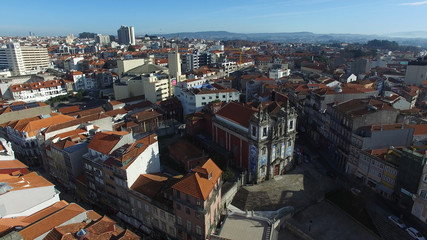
x: 242, y: 16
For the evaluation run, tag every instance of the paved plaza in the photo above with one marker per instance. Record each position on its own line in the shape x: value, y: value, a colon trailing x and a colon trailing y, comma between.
x: 324, y: 221
x: 299, y: 188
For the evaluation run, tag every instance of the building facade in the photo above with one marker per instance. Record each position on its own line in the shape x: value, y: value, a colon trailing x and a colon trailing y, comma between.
x: 260, y: 139
x: 195, y: 94
x: 23, y: 60
x: 126, y: 35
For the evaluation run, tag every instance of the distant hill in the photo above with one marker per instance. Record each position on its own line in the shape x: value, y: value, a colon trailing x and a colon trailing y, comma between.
x: 305, y: 37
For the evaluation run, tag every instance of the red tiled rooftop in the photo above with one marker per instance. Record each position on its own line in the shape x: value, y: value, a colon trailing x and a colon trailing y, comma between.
x: 237, y: 113
x: 201, y: 181
x: 104, y: 142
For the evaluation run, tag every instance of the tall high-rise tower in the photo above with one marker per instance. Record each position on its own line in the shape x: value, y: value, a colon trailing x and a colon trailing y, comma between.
x: 174, y: 63
x: 126, y: 35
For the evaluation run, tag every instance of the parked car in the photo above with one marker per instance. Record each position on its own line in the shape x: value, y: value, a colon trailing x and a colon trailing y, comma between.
x: 414, y: 233
x: 396, y: 221
x: 355, y: 191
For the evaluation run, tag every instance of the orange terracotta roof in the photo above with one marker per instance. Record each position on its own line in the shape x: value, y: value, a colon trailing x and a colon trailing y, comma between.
x: 76, y: 122
x: 132, y: 151
x: 34, y: 85
x: 43, y: 226
x: 386, y: 127
x: 70, y: 109
x: 201, y: 181
x: 116, y: 112
x: 34, y: 126
x: 145, y: 115
x: 104, y: 142
x: 115, y: 102
x: 71, y: 133
x: 419, y: 129
x: 45, y: 212
x: 12, y: 164
x: 149, y: 184
x: 30, y: 180
x: 90, y: 112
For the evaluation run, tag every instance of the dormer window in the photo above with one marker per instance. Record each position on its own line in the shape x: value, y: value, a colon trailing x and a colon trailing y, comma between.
x: 210, y: 175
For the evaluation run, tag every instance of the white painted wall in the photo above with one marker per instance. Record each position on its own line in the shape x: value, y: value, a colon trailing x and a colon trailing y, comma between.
x: 27, y: 201
x: 146, y: 162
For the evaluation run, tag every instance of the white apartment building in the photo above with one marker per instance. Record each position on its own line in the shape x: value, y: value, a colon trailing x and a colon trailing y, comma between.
x: 229, y: 67
x: 150, y: 80
x: 37, y: 91
x: 102, y: 39
x: 195, y: 94
x: 276, y: 74
x: 23, y: 60
x: 81, y: 82
x: 23, y: 135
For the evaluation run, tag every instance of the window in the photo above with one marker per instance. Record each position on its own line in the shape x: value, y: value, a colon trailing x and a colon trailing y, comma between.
x: 425, y: 178
x: 178, y: 194
x: 253, y: 131
x: 178, y: 206
x: 198, y: 230
x: 423, y: 194
x: 164, y: 226
x: 188, y: 226
x: 187, y: 210
x: 197, y: 214
x: 171, y: 218
x: 162, y: 214
x: 198, y: 202
x: 187, y: 197
x: 291, y: 125
x: 171, y: 231
x: 179, y: 220
x: 264, y: 132
x: 203, y: 97
x: 147, y: 208
x: 155, y: 211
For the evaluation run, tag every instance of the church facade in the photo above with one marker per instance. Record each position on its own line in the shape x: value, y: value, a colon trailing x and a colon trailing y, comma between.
x: 261, y: 137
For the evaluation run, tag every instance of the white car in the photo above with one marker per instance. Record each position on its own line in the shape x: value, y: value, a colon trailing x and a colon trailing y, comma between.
x: 414, y: 233
x: 396, y: 221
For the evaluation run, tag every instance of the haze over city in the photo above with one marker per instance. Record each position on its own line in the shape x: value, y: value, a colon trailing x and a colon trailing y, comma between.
x: 219, y: 120
x: 161, y: 17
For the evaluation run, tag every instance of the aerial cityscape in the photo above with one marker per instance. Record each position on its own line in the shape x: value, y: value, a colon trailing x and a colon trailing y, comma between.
x: 241, y: 120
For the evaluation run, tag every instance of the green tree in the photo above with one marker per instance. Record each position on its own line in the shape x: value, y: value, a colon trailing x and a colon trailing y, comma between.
x: 131, y: 48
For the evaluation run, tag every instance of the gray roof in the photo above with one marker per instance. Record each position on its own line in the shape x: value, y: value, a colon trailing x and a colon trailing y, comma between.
x: 147, y: 68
